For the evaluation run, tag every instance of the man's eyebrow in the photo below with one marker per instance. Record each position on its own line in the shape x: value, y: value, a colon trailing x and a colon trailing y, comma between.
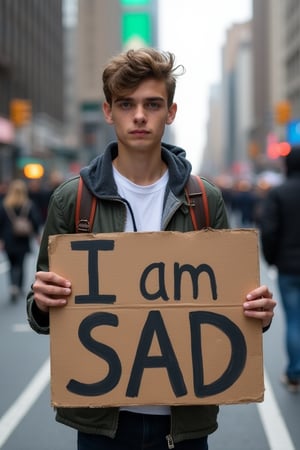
x: 122, y: 99
x: 155, y: 99
x: 147, y: 99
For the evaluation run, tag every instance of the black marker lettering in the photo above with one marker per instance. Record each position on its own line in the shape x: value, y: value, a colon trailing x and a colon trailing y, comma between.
x: 161, y: 291
x: 93, y: 247
x: 238, y: 352
x: 167, y: 359
x: 194, y: 273
x: 101, y: 350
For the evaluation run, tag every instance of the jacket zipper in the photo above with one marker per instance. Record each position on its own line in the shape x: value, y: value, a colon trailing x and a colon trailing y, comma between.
x: 170, y: 441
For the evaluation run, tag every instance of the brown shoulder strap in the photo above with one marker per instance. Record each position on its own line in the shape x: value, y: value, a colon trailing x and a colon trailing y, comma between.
x: 196, y: 194
x: 85, y: 209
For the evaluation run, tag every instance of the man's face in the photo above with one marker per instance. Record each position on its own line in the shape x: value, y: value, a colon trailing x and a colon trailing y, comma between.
x: 139, y: 117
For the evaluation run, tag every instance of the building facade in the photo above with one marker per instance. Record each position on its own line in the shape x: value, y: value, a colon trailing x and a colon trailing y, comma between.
x: 292, y: 55
x: 31, y: 55
x: 31, y: 80
x: 237, y: 96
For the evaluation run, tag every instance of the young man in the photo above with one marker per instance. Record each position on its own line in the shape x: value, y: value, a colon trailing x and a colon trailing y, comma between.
x: 140, y: 183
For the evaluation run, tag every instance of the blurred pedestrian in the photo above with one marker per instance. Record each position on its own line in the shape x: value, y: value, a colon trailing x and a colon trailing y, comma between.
x: 19, y: 222
x: 40, y: 195
x: 280, y: 237
x: 243, y: 203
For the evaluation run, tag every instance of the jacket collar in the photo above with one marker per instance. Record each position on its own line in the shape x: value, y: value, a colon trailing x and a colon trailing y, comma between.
x: 98, y: 176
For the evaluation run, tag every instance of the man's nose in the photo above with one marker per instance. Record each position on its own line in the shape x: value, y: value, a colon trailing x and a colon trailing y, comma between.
x: 140, y: 115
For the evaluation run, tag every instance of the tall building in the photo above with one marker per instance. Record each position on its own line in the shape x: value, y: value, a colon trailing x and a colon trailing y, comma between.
x: 271, y: 86
x: 70, y: 13
x: 231, y: 107
x: 31, y: 79
x: 276, y: 76
x: 31, y: 55
x: 213, y: 155
x: 261, y: 73
x: 237, y: 96
x: 292, y: 56
x: 269, y: 75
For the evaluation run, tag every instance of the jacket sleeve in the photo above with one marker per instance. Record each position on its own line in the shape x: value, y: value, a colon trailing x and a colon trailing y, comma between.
x: 216, y: 206
x: 270, y: 227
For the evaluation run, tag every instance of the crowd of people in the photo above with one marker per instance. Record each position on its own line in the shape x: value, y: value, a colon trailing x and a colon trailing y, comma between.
x: 244, y: 198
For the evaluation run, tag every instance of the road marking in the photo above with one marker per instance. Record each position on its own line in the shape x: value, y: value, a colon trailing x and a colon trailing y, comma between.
x: 276, y: 431
x: 13, y: 416
x: 21, y: 327
x: 274, y: 425
x: 272, y: 273
x: 4, y: 266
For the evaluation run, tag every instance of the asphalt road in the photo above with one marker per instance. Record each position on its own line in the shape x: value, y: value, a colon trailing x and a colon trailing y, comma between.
x: 27, y: 419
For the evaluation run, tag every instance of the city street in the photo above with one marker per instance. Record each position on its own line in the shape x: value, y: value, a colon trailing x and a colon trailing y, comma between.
x: 27, y: 419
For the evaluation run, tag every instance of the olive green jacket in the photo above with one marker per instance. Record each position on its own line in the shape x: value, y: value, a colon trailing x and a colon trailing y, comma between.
x: 187, y: 422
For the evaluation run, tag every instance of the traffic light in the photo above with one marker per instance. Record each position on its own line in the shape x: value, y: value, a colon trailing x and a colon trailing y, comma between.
x: 20, y: 112
x: 283, y: 112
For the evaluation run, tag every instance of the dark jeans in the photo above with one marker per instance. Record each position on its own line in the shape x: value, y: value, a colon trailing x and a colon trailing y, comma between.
x: 289, y: 286
x: 16, y: 261
x: 138, y: 432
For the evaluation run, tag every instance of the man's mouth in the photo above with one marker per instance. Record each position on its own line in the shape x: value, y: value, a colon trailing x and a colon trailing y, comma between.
x: 139, y: 132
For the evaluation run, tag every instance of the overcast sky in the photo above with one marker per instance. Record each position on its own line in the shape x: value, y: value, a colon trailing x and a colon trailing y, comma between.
x: 195, y: 30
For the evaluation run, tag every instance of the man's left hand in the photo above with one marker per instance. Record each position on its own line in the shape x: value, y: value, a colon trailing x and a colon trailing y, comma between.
x: 260, y: 305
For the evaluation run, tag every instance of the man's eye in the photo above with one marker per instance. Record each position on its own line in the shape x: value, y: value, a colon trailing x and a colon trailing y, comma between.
x: 153, y: 105
x: 125, y: 105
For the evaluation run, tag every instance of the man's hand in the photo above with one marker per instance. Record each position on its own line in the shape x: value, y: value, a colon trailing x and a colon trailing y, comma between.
x: 50, y: 289
x: 260, y: 305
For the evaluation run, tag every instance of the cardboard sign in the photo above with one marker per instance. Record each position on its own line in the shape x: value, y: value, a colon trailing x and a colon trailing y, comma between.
x: 156, y: 319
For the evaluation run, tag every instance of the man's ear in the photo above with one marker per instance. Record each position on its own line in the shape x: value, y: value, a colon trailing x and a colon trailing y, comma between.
x: 171, y: 113
x: 107, y: 113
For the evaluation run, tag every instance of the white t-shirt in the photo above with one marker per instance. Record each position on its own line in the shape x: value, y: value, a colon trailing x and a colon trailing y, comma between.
x: 146, y: 204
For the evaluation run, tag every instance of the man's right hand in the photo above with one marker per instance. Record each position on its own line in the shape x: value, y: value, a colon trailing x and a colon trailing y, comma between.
x: 50, y: 289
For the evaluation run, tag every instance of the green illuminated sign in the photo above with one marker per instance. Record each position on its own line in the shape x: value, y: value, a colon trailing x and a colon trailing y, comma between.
x: 134, y: 2
x: 136, y: 29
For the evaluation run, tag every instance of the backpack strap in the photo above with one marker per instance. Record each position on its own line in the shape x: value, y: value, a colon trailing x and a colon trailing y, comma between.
x: 196, y: 194
x: 85, y: 209
x: 86, y: 204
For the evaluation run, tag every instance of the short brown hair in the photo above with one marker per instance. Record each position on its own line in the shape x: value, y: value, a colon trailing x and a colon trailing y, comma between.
x: 125, y: 72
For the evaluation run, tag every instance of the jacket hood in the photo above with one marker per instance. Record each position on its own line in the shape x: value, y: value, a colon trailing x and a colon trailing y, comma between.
x: 98, y: 175
x: 292, y: 160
